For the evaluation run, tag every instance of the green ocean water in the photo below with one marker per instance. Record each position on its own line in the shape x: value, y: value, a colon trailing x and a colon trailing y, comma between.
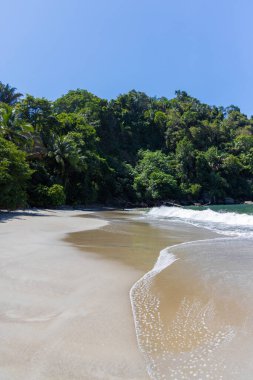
x: 237, y: 208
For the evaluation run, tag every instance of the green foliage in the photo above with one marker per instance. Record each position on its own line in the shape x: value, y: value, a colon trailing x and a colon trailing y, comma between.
x: 45, y: 196
x: 119, y: 181
x: 56, y: 195
x: 154, y: 177
x: 185, y: 156
x: 13, y: 128
x: 81, y: 102
x: 36, y: 111
x: 8, y: 94
x: 81, y: 149
x: 14, y: 175
x: 194, y: 191
x: 162, y: 186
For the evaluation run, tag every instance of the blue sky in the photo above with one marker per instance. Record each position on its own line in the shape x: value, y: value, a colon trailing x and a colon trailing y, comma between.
x: 112, y: 46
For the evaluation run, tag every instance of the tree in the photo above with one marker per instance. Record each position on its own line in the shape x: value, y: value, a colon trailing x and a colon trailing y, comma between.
x: 130, y: 148
x: 8, y: 94
x: 66, y: 157
x: 38, y: 112
x: 14, y: 176
x: 154, y: 179
x: 13, y: 128
x: 185, y: 156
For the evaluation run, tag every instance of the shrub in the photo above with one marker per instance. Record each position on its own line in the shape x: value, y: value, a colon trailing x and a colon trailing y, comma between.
x: 14, y: 175
x: 45, y: 196
x: 56, y: 195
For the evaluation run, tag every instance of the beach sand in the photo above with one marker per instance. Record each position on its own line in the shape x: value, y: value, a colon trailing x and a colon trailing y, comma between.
x: 64, y: 314
x: 136, y: 243
x: 65, y: 310
x: 192, y: 317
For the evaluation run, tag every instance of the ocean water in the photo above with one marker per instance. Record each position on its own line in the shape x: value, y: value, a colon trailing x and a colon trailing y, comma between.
x: 193, y: 310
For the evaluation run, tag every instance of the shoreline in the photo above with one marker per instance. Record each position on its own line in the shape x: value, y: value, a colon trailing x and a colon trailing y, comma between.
x: 136, y: 244
x: 66, y: 277
x: 64, y: 314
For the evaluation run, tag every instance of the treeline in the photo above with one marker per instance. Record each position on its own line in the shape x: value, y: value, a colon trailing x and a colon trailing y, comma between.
x: 136, y: 149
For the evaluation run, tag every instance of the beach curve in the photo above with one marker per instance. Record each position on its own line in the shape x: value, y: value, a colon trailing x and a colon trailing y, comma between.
x: 64, y: 314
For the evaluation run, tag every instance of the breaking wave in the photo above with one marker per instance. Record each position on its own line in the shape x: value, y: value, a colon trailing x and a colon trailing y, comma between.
x: 198, y: 342
x: 229, y: 223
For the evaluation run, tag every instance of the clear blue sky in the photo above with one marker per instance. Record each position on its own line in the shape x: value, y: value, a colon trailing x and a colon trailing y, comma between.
x: 112, y: 46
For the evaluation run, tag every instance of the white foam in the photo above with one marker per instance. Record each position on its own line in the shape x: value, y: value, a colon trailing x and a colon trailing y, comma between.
x: 149, y: 326
x: 229, y: 218
x: 140, y: 295
x: 230, y: 223
x: 146, y: 305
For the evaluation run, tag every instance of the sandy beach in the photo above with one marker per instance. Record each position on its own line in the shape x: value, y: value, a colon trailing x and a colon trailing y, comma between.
x: 64, y: 314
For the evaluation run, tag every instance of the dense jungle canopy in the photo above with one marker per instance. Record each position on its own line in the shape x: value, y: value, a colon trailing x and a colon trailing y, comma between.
x: 134, y: 150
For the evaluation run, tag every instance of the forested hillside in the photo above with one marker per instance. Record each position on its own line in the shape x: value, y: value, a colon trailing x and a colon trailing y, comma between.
x: 133, y: 150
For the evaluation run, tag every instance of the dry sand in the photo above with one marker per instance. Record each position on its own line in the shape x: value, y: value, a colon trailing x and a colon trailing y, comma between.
x: 64, y: 314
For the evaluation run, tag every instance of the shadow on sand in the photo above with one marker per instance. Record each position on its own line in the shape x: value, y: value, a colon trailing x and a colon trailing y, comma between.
x: 7, y: 215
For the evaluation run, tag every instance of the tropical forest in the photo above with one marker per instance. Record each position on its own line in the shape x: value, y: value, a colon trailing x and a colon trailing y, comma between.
x: 134, y: 150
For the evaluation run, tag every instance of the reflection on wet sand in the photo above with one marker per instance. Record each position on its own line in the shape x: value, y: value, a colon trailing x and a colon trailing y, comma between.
x: 194, y: 317
x: 133, y: 242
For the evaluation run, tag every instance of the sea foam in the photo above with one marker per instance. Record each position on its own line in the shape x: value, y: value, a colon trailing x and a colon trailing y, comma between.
x: 199, y: 342
x: 202, y: 359
x: 154, y: 339
x: 230, y: 223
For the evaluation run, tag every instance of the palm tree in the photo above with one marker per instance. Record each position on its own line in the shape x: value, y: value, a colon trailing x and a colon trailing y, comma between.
x: 12, y: 128
x: 67, y: 157
x: 8, y: 94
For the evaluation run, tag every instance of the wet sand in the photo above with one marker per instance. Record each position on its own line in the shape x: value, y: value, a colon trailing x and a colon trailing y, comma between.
x: 65, y: 311
x: 64, y: 314
x: 131, y: 240
x: 136, y: 244
x: 194, y: 317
